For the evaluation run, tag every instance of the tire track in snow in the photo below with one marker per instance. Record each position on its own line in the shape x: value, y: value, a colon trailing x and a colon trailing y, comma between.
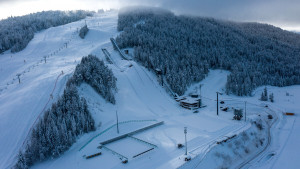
x: 269, y: 139
x: 207, y: 147
x: 44, y: 108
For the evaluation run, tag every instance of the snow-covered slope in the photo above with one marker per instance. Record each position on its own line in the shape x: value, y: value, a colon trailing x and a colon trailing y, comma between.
x: 284, y: 148
x: 21, y: 104
x: 139, y: 97
x: 140, y: 101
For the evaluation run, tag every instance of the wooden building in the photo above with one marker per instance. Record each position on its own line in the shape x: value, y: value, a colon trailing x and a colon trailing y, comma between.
x: 189, y: 102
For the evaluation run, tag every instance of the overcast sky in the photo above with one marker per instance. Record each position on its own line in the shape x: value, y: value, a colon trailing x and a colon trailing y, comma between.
x: 283, y: 13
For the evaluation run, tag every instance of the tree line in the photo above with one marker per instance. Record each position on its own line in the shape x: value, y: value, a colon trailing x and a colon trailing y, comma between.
x: 17, y: 32
x: 94, y: 72
x: 69, y: 116
x: 186, y: 47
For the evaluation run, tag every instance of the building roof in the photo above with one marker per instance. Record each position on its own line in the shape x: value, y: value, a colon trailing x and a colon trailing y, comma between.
x: 188, y: 99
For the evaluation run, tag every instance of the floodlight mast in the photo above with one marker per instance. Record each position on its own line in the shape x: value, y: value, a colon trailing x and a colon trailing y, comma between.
x: 18, y: 75
x: 185, y: 132
x: 200, y: 90
x: 117, y: 122
x: 245, y: 110
x: 217, y: 103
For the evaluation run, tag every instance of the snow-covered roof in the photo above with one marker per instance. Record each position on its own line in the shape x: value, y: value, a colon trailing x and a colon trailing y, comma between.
x: 190, y: 100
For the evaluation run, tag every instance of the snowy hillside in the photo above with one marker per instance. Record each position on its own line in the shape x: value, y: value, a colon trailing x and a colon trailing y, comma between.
x: 21, y: 104
x: 140, y: 102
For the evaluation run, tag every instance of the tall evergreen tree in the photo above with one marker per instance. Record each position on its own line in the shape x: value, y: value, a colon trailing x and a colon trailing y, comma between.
x: 271, y: 97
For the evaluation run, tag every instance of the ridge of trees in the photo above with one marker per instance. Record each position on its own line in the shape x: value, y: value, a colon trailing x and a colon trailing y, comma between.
x: 17, y: 32
x: 185, y: 47
x: 95, y: 73
x: 69, y: 116
x: 58, y: 129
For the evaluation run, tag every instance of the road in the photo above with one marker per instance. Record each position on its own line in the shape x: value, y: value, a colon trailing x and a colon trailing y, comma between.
x: 246, y: 164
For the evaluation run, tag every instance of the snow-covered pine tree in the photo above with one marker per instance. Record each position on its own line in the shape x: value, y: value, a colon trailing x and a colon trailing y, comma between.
x: 255, y: 54
x: 83, y: 31
x: 94, y: 72
x: 52, y: 136
x: 271, y: 97
x: 265, y: 94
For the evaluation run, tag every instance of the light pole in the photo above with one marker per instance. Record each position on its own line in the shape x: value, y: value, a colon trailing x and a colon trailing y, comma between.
x: 217, y: 103
x: 200, y: 90
x: 19, y: 78
x: 200, y: 103
x: 117, y: 122
x: 185, y: 132
x: 245, y: 110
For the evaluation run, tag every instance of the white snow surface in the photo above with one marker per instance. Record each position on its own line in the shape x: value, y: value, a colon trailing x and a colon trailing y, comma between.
x: 139, y: 97
x: 21, y: 104
x: 284, y: 149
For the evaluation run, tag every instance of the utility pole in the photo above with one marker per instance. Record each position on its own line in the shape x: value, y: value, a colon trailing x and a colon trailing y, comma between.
x: 200, y: 90
x: 217, y: 103
x: 117, y: 122
x: 245, y: 110
x: 185, y: 132
x: 45, y: 59
x: 200, y: 95
x: 19, y: 78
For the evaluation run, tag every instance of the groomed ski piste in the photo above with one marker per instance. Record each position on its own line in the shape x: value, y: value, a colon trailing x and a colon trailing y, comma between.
x: 140, y: 102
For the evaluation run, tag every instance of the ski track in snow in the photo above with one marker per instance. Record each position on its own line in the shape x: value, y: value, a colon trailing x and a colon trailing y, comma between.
x: 21, y: 103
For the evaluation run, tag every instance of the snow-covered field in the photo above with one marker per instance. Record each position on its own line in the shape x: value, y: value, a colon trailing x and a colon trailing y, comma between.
x: 139, y: 97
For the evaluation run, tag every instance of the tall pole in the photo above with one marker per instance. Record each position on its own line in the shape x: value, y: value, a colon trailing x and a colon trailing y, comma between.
x: 200, y: 90
x: 245, y: 110
x: 117, y: 122
x: 19, y: 78
x: 185, y: 131
x: 200, y: 103
x: 217, y: 103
